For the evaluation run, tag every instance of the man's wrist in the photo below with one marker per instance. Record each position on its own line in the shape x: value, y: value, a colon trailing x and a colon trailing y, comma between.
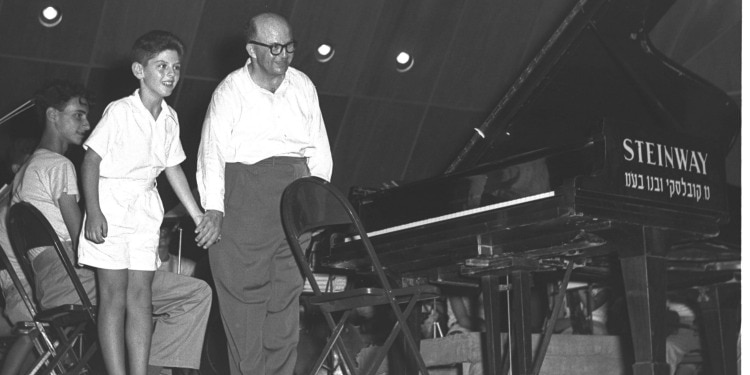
x: 215, y: 212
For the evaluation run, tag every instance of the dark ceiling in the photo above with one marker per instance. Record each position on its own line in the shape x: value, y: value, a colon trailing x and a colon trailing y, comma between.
x: 383, y: 125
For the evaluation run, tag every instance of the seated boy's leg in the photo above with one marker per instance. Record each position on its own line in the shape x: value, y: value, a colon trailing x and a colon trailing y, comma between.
x: 53, y: 286
x: 182, y: 305
x: 111, y: 318
x: 138, y: 322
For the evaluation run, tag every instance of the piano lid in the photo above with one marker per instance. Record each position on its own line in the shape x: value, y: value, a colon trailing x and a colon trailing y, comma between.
x: 600, y: 64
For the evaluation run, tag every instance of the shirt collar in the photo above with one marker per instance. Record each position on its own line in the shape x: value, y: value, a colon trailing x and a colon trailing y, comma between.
x: 164, y: 106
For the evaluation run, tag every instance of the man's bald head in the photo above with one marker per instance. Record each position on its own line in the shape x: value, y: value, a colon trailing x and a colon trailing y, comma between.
x: 264, y: 21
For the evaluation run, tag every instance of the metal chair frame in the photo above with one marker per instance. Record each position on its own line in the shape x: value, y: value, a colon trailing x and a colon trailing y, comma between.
x: 36, y: 329
x: 29, y: 229
x: 294, y: 213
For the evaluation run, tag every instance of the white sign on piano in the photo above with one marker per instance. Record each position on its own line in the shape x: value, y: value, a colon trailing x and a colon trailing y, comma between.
x: 669, y: 186
x: 671, y: 159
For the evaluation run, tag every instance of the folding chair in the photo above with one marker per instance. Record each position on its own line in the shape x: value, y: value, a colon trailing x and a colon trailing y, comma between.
x: 35, y: 329
x: 311, y: 204
x: 74, y: 325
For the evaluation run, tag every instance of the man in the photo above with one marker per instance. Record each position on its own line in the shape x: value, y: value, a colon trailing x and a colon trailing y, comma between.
x: 263, y: 130
x: 48, y: 181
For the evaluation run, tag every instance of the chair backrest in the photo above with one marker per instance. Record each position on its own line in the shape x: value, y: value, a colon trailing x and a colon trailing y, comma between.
x: 29, y: 229
x: 309, y: 204
x: 5, y: 265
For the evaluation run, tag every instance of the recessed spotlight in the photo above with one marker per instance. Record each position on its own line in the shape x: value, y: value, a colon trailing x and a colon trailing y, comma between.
x: 50, y: 16
x: 324, y: 53
x: 404, y: 62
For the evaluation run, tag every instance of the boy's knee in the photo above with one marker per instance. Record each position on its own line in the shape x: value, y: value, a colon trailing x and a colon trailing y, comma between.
x: 112, y: 296
x: 139, y: 296
x: 201, y: 296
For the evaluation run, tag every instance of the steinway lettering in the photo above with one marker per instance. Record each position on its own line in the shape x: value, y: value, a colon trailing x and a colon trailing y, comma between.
x: 685, y: 162
x: 664, y: 156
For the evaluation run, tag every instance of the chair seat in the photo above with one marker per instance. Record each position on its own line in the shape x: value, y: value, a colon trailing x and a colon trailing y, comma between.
x: 64, y: 315
x: 27, y: 328
x: 361, y: 297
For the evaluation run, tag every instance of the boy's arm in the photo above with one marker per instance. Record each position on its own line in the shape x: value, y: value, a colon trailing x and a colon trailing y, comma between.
x: 96, y: 224
x: 71, y: 215
x: 176, y: 178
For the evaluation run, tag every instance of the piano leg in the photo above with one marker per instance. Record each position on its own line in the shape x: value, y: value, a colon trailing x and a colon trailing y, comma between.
x: 520, y: 318
x: 493, y: 340
x: 720, y: 326
x: 644, y: 278
x: 520, y: 323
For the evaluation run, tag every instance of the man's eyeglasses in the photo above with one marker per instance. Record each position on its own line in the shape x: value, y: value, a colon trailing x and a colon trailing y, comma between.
x: 276, y: 47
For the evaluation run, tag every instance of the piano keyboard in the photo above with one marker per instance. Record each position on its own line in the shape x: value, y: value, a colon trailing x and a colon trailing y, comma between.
x: 459, y: 214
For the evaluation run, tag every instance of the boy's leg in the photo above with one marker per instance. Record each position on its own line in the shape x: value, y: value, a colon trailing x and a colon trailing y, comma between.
x: 53, y: 286
x: 138, y: 322
x: 113, y: 286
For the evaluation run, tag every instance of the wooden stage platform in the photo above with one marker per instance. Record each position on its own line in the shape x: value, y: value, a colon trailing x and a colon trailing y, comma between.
x: 567, y: 354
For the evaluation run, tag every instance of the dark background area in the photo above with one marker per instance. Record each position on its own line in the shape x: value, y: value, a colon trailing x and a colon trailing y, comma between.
x: 383, y: 125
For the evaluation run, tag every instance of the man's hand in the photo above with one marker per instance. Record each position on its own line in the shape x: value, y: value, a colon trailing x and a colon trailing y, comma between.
x: 209, y: 229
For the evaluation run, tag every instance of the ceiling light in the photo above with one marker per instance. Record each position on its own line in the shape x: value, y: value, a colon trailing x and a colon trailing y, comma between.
x: 50, y: 16
x: 404, y: 62
x: 324, y: 53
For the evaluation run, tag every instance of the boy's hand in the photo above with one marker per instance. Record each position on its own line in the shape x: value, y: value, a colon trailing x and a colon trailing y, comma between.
x: 209, y: 229
x: 96, y: 227
x: 197, y: 219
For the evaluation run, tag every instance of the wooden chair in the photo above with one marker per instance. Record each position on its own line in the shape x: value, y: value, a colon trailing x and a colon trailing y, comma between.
x: 74, y: 325
x: 311, y: 204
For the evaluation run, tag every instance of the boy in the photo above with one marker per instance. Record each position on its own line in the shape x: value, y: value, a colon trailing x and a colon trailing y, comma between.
x: 136, y: 139
x: 48, y: 179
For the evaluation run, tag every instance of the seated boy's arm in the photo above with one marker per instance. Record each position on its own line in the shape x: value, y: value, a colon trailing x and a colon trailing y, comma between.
x: 96, y: 224
x: 71, y: 215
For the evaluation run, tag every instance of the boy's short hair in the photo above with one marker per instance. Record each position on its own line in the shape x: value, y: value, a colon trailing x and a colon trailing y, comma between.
x: 56, y: 94
x: 153, y: 43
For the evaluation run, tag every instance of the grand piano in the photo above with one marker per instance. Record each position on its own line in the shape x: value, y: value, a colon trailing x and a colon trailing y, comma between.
x: 601, y: 146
